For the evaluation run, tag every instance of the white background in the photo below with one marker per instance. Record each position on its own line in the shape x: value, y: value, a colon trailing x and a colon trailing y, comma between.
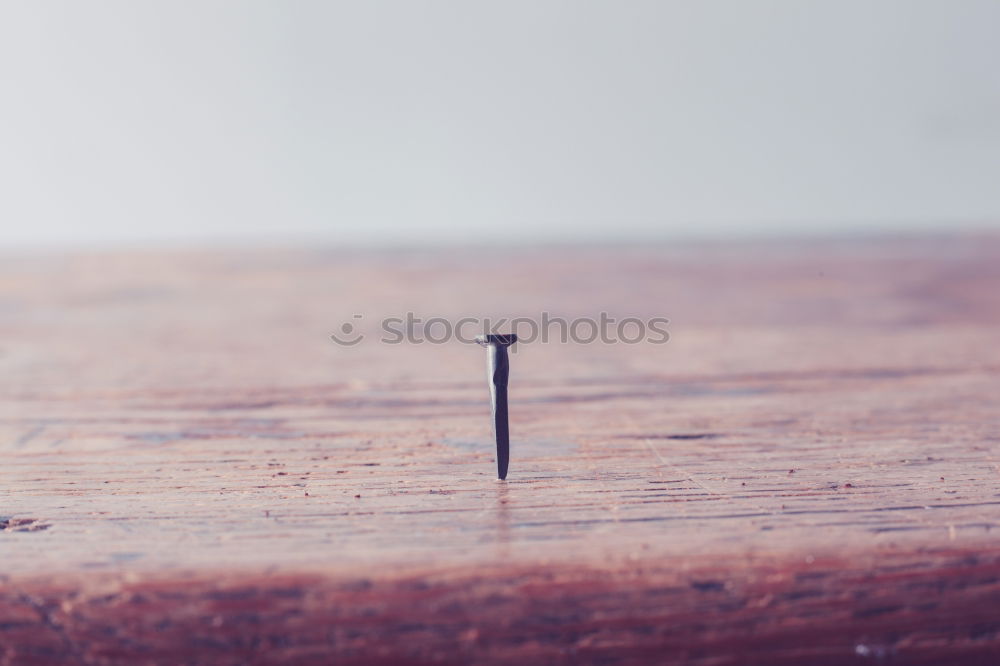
x: 194, y: 121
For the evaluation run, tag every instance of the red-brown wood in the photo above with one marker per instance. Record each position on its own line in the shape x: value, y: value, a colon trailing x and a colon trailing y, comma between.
x: 806, y: 473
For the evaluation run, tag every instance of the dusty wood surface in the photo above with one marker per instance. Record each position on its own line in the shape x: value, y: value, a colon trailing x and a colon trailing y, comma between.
x: 806, y: 473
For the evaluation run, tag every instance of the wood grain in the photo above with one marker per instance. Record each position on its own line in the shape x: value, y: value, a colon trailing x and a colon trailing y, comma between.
x: 807, y: 471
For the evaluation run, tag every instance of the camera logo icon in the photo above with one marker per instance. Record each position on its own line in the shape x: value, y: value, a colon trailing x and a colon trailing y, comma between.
x: 349, y: 335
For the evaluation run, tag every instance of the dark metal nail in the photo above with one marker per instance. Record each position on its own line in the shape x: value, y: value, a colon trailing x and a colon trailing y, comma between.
x: 498, y: 370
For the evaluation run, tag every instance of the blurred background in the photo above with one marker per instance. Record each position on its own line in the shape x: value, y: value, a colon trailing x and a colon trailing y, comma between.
x: 233, y: 121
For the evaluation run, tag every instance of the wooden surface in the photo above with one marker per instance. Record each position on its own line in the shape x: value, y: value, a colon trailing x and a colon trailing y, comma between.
x: 806, y: 473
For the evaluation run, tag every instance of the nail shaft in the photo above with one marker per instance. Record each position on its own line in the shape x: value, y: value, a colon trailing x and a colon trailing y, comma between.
x: 498, y: 372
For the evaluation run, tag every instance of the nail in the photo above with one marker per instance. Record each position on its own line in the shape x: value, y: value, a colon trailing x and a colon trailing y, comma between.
x: 498, y: 370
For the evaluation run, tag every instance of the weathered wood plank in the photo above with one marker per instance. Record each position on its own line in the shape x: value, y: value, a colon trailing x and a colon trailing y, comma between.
x: 807, y: 471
